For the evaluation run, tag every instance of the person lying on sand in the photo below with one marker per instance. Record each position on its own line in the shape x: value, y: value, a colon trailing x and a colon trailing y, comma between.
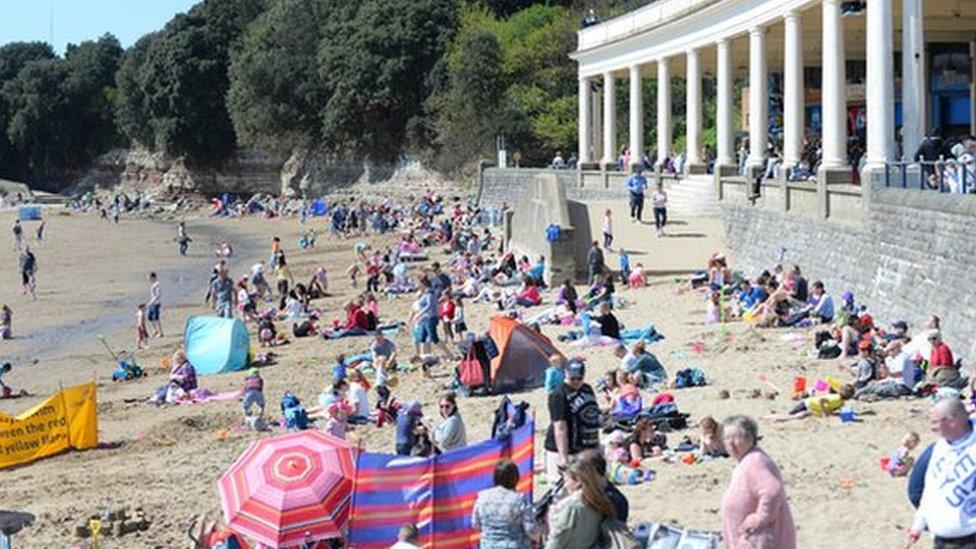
x: 817, y: 405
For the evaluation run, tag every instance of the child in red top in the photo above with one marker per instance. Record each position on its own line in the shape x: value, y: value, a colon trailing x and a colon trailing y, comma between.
x: 446, y: 312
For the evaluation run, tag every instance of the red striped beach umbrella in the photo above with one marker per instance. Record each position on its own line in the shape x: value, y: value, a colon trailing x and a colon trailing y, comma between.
x: 289, y: 489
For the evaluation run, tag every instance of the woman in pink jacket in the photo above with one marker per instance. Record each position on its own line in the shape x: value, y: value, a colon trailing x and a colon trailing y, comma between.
x: 755, y: 513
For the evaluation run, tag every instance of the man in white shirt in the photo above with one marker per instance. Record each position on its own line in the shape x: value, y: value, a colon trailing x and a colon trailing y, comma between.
x: 948, y: 505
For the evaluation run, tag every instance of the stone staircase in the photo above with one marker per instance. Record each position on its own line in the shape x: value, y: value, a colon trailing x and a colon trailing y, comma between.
x: 692, y: 196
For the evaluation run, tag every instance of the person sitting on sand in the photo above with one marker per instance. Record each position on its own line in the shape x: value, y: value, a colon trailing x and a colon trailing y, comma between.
x: 261, y: 286
x: 318, y: 285
x: 865, y: 370
x: 567, y: 296
x: 609, y: 325
x: 621, y: 467
x: 646, y: 441
x: 942, y: 368
x: 710, y: 443
x: 638, y: 360
x: 601, y: 291
x: 636, y: 277
x: 901, y: 461
x: 902, y: 375
x: 819, y: 405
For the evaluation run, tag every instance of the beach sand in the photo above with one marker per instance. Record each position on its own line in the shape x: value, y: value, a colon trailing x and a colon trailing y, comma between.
x: 171, y: 457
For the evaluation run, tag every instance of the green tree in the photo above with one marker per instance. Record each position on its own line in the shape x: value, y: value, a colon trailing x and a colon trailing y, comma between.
x: 375, y: 68
x: 275, y: 91
x: 468, y: 112
x: 173, y: 84
x: 13, y: 57
x: 59, y: 110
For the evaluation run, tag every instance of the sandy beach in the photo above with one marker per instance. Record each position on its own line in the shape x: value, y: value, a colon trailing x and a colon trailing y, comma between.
x: 92, y: 274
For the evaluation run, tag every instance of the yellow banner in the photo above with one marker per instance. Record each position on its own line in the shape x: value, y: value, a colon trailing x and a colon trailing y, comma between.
x: 68, y: 419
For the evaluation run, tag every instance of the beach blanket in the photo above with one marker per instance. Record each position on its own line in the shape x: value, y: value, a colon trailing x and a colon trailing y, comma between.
x: 204, y: 395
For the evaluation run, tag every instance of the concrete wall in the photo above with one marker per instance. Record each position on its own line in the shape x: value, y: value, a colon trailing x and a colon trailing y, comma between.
x: 543, y: 202
x: 907, y: 255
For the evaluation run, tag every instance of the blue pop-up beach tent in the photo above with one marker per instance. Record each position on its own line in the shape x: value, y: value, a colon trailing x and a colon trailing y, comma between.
x: 216, y: 345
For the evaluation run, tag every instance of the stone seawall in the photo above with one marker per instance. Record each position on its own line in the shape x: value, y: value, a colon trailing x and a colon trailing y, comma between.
x: 906, y: 256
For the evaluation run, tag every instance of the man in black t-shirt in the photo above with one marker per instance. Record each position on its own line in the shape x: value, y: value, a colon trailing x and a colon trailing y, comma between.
x: 575, y: 420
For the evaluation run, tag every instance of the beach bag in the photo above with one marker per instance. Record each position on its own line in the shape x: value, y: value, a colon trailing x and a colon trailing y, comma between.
x: 615, y: 535
x: 689, y: 377
x: 470, y: 372
x: 829, y: 349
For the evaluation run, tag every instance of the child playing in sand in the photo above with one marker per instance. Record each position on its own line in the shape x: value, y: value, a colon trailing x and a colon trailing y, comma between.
x: 142, y: 334
x: 636, y: 278
x: 337, y: 422
x: 710, y: 443
x: 624, y: 267
x: 901, y: 461
x: 339, y: 368
x: 267, y: 334
x: 253, y: 392
x: 818, y: 405
x: 713, y: 311
x: 621, y: 469
x: 353, y: 273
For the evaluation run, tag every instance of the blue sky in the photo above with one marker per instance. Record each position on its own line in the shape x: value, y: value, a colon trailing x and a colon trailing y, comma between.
x: 79, y: 20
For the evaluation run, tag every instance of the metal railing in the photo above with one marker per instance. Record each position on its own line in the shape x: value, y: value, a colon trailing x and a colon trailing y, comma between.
x: 944, y: 176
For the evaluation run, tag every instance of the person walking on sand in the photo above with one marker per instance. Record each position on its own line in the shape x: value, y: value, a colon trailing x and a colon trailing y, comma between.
x: 39, y: 234
x: 660, y: 200
x: 154, y: 305
x: 636, y: 186
x: 18, y: 235
x: 607, y: 230
x: 28, y: 272
x: 182, y: 239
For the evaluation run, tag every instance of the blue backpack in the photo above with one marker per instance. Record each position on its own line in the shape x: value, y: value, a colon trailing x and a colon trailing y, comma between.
x: 295, y: 416
x: 552, y: 232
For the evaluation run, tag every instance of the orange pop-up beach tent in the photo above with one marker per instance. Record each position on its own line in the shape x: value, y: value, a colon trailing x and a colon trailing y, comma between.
x: 523, y: 355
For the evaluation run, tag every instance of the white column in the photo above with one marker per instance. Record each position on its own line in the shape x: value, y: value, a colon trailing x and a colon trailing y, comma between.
x: 880, y: 89
x: 793, y: 99
x: 912, y: 76
x: 834, y: 92
x: 584, y: 121
x: 596, y: 117
x: 636, y: 115
x: 609, y: 119
x: 723, y: 110
x: 693, y: 108
x: 663, y: 110
x: 758, y: 97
